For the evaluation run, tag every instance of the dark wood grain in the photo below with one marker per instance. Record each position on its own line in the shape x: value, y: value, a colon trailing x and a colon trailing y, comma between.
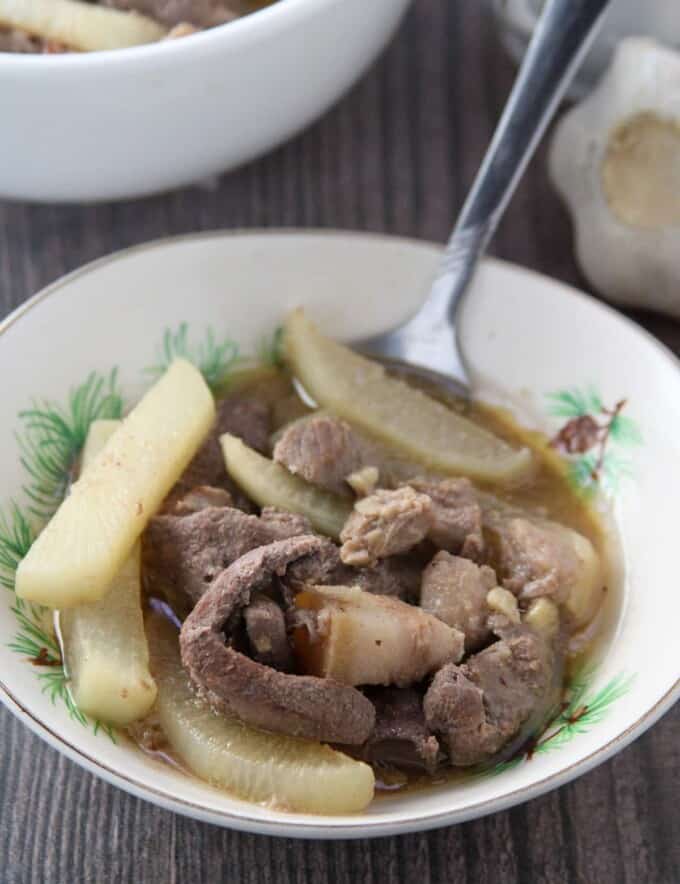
x: 396, y: 155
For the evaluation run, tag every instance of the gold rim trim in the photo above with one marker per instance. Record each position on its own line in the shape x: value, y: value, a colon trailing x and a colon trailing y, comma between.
x: 327, y: 826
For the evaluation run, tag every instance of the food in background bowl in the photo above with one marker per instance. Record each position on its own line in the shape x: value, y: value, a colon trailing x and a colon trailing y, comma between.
x: 330, y: 600
x: 170, y: 113
x: 49, y: 26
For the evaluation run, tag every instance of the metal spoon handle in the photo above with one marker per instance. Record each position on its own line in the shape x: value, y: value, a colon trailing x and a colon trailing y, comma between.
x: 561, y: 40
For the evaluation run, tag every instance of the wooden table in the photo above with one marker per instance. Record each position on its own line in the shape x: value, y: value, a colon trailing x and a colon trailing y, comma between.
x: 396, y: 155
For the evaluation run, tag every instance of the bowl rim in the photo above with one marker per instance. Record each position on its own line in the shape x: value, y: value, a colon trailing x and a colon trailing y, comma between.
x: 248, y: 27
x: 319, y: 826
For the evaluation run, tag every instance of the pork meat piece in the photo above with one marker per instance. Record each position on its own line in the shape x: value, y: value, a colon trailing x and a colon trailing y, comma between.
x: 247, y: 417
x: 401, y: 737
x: 283, y: 524
x: 266, y: 630
x: 501, y: 693
x: 322, y: 450
x: 202, y: 13
x: 364, y: 639
x: 232, y: 682
x: 456, y: 515
x: 384, y: 524
x: 541, y: 558
x: 455, y: 590
x: 182, y: 555
x: 398, y: 576
x: 242, y: 416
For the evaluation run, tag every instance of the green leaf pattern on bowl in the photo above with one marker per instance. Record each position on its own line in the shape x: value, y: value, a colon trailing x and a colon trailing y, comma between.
x: 594, y: 439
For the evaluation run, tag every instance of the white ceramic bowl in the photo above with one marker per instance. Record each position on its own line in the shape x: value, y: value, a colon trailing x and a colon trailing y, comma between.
x: 109, y: 125
x: 525, y: 337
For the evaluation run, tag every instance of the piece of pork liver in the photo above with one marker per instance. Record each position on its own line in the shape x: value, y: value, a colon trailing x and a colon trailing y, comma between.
x: 454, y: 589
x: 302, y: 706
x: 497, y: 696
x: 283, y: 524
x: 265, y: 624
x: 398, y: 576
x: 322, y: 450
x: 456, y: 515
x: 401, y: 737
x: 182, y: 555
x: 244, y: 416
x: 384, y: 524
x: 247, y: 417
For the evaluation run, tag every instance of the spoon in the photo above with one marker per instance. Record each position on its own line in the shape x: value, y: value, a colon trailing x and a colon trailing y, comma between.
x: 427, y: 346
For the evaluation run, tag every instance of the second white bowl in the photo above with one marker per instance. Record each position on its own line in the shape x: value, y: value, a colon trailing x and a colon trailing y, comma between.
x: 110, y: 125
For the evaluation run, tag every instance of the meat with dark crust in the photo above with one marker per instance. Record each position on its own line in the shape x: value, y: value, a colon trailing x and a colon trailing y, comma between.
x: 302, y: 706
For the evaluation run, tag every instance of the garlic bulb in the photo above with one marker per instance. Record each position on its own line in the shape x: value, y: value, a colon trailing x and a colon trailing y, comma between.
x: 615, y: 160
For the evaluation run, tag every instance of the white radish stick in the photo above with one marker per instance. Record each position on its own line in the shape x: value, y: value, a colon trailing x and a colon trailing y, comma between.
x: 104, y: 643
x: 93, y: 532
x: 78, y: 25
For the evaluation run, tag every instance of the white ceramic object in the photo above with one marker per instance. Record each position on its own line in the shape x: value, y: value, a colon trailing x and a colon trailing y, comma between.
x: 130, y: 122
x: 525, y: 336
x: 615, y: 161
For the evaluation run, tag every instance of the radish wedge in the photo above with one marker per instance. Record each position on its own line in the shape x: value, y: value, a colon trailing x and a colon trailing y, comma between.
x: 360, y: 390
x: 105, y: 648
x: 273, y: 769
x: 270, y: 484
x: 93, y: 532
x: 78, y: 25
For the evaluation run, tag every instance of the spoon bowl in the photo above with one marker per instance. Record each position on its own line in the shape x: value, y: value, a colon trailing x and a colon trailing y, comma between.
x: 428, y: 341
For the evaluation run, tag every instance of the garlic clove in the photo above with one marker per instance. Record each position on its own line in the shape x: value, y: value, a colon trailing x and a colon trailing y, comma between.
x: 615, y: 161
x: 641, y: 172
